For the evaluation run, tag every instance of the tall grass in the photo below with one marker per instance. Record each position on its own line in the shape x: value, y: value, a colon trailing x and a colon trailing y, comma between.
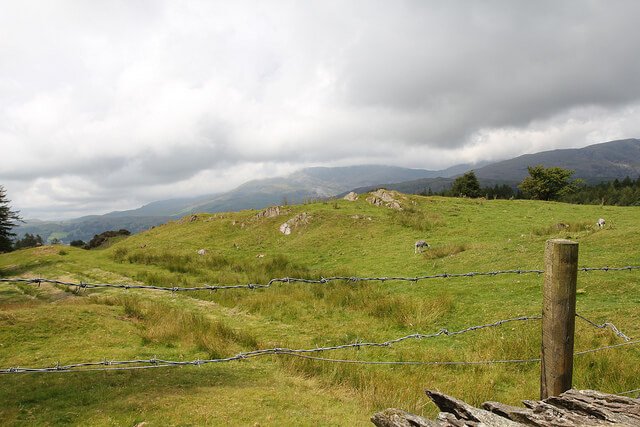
x: 160, y: 323
x: 213, y: 267
x: 563, y: 228
x: 417, y: 219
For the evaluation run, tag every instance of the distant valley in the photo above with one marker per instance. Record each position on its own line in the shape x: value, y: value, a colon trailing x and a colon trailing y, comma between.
x: 596, y: 163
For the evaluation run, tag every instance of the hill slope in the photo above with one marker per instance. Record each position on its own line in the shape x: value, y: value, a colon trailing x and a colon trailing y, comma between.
x: 310, y: 184
x: 40, y: 326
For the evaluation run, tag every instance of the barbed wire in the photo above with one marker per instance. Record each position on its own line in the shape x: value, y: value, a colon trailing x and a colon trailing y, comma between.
x: 628, y: 392
x: 155, y: 362
x: 83, y: 286
x: 604, y: 326
x: 159, y: 363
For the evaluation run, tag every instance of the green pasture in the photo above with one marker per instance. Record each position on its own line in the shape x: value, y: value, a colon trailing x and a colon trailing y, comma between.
x: 41, y: 326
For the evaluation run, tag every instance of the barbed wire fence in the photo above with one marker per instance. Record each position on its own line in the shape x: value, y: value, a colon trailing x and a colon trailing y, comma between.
x: 155, y: 362
x: 83, y: 286
x: 306, y: 353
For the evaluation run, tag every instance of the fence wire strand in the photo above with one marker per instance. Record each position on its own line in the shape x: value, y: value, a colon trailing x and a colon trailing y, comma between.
x: 159, y: 363
x: 628, y: 392
x: 156, y: 363
x: 83, y: 286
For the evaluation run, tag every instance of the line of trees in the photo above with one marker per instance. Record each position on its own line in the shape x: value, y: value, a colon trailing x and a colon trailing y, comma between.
x: 552, y: 183
x: 28, y: 241
x: 616, y: 193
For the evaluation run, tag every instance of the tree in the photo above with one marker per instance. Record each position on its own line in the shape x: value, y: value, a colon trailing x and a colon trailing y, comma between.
x: 466, y: 185
x: 28, y: 241
x: 8, y: 220
x: 549, y: 183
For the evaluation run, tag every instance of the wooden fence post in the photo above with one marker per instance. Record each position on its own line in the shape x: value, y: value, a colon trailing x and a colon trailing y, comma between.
x: 558, y: 316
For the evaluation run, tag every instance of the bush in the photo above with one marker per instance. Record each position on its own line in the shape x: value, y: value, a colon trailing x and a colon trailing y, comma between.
x: 104, y: 238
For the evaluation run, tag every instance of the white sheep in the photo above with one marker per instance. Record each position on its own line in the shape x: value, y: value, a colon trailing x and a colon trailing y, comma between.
x: 420, y: 245
x: 601, y: 223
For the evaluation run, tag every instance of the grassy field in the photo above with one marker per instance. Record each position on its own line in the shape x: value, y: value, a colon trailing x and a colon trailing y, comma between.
x: 41, y: 326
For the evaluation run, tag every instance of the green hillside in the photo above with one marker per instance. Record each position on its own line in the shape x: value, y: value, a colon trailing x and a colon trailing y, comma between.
x: 41, y: 326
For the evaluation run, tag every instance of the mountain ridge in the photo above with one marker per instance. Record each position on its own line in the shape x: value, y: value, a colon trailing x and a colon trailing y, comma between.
x: 598, y: 162
x: 602, y: 162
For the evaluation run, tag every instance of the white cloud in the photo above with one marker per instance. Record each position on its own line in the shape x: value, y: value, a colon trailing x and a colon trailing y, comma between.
x: 111, y: 104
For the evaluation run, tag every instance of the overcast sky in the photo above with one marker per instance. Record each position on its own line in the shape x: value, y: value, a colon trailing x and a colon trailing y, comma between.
x: 108, y: 105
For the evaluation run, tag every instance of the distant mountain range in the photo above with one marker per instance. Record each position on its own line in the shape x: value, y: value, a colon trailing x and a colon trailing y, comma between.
x: 595, y: 163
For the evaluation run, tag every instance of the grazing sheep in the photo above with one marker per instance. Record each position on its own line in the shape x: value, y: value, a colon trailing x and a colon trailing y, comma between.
x: 420, y: 245
x: 601, y: 223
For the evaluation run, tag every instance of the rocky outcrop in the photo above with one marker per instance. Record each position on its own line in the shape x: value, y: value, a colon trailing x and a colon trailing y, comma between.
x: 571, y: 408
x: 190, y: 218
x: 352, y: 197
x: 386, y: 198
x: 294, y: 223
x: 270, y: 212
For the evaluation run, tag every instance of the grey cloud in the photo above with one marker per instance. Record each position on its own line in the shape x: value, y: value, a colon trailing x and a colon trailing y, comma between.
x: 495, y: 66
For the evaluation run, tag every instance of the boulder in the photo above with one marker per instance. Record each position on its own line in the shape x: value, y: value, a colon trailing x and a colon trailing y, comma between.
x: 384, y: 195
x: 352, y: 197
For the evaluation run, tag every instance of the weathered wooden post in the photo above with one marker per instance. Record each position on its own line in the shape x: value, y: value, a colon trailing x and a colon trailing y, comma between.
x: 558, y: 316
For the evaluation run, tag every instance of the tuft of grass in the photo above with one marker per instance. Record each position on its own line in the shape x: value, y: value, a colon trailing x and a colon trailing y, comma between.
x: 407, y: 312
x: 119, y: 254
x: 444, y: 251
x: 556, y: 228
x: 161, y: 323
x: 417, y: 219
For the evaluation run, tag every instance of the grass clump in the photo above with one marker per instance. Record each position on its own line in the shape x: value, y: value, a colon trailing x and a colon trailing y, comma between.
x: 161, y: 323
x: 417, y: 219
x: 563, y: 227
x: 444, y: 251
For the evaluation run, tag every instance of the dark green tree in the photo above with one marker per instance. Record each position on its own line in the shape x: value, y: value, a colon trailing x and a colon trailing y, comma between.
x: 466, y: 185
x: 28, y: 241
x: 8, y: 219
x: 549, y: 183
